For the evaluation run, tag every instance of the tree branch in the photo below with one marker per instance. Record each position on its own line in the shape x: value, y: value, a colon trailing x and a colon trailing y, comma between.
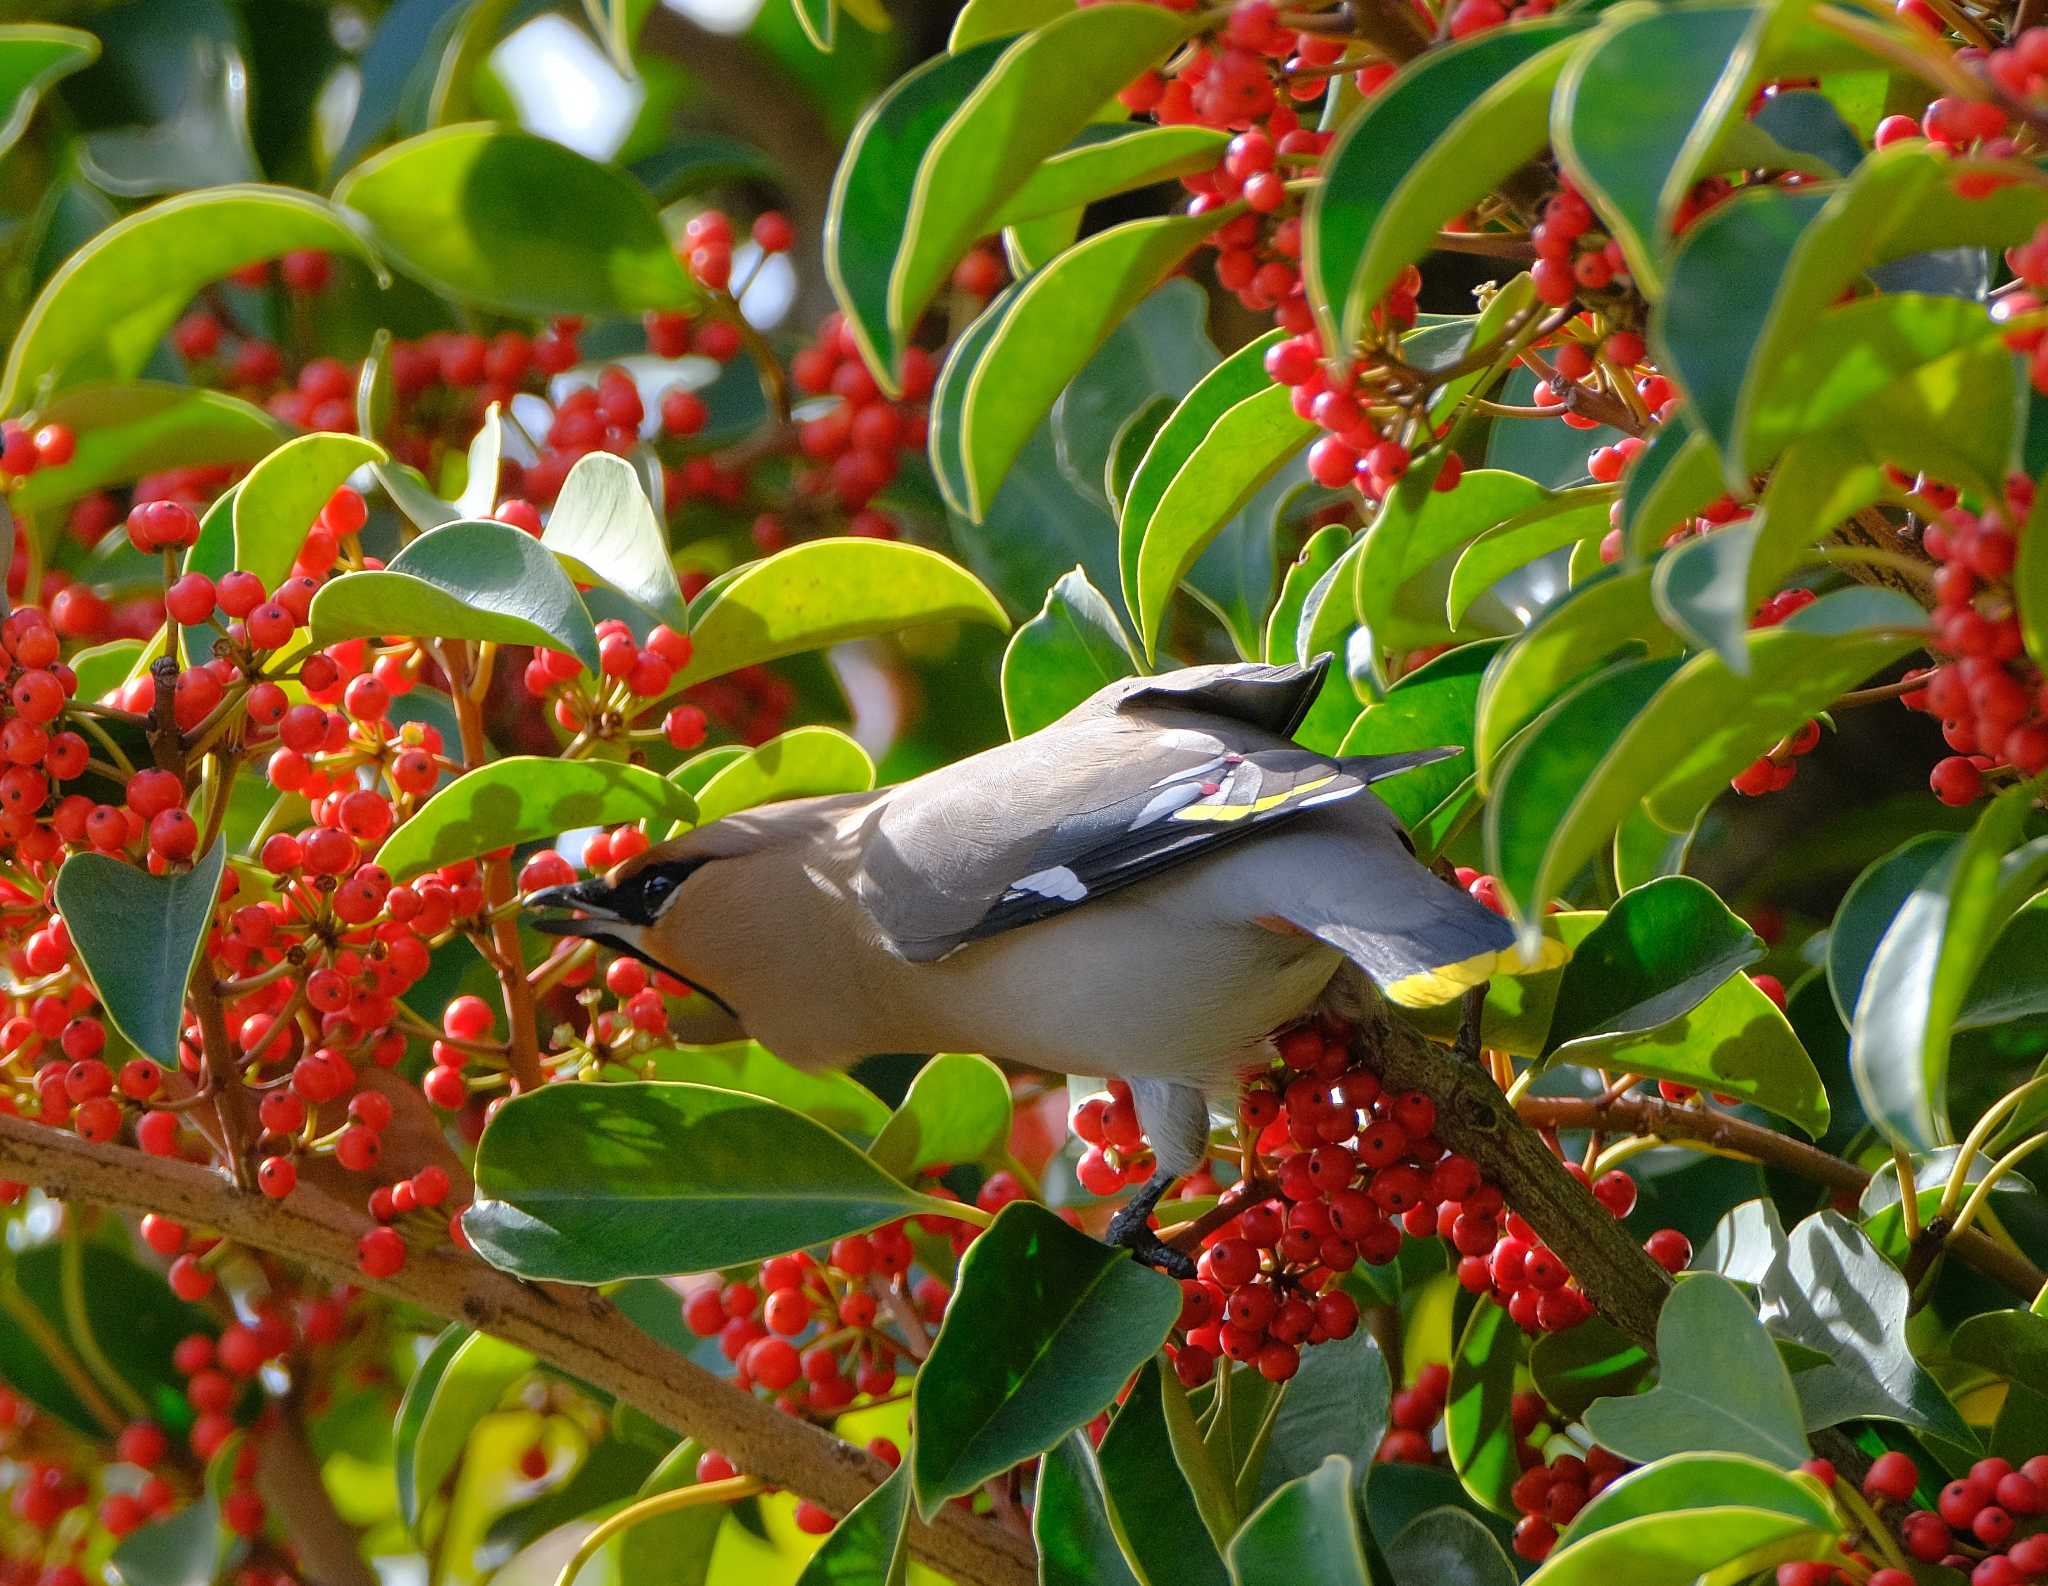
x: 589, y: 1337
x: 288, y: 1478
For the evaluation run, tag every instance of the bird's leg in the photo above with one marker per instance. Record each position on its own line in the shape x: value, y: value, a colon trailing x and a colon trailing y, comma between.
x: 1469, y: 1014
x: 1131, y: 1228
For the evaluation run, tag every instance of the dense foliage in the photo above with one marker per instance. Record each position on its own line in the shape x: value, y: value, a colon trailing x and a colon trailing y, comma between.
x: 418, y: 499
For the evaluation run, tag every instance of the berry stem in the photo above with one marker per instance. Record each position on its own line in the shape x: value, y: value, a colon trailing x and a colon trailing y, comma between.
x: 730, y: 1490
x: 218, y: 1072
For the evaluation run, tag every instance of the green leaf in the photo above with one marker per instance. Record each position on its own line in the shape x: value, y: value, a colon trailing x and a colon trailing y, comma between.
x: 591, y: 1183
x: 471, y: 579
x: 523, y: 799
x: 474, y: 1377
x: 276, y: 505
x: 1631, y: 111
x: 1675, y: 1548
x: 1645, y: 852
x: 1479, y: 1432
x: 819, y: 20
x: 1152, y: 1509
x: 1306, y: 1533
x: 1606, y: 616
x: 835, y: 1099
x: 1746, y: 1243
x: 1236, y: 379
x: 1448, y: 1545
x: 34, y: 57
x: 183, y: 1549
x: 1108, y: 159
x: 1703, y: 1481
x: 128, y: 428
x: 1834, y: 1292
x: 2013, y: 1344
x: 606, y: 532
x: 1074, y: 646
x: 1039, y: 337
x: 1720, y: 1385
x: 1678, y: 748
x: 1335, y: 1405
x: 481, y: 467
x: 675, y: 1548
x: 1416, y: 527
x: 1868, y: 908
x: 1667, y: 485
x: 821, y: 592
x: 104, y: 667
x: 503, y: 219
x: 1659, y: 952
x: 2029, y: 580
x: 1514, y: 544
x: 1045, y: 1327
x: 1040, y: 92
x: 138, y: 936
x: 980, y: 20
x: 871, y: 1545
x: 1431, y: 706
x: 868, y: 213
x: 1591, y: 1361
x: 102, y: 315
x: 1070, y: 1520
x: 412, y: 1412
x: 956, y: 1110
x: 801, y: 763
x: 1920, y: 975
x: 1438, y: 138
x: 1325, y: 548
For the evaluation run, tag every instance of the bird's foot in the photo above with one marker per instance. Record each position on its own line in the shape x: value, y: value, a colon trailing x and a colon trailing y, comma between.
x: 1135, y: 1234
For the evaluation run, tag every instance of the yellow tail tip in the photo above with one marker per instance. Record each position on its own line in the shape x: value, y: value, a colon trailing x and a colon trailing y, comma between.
x: 1430, y: 988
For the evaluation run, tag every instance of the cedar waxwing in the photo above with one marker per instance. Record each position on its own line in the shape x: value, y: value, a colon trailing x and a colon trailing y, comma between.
x: 1150, y: 888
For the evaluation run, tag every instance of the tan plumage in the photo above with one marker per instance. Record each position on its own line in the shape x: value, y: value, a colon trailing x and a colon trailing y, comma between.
x: 1148, y: 888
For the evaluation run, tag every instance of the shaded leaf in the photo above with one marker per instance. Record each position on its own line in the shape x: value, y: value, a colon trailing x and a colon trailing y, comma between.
x: 128, y: 428
x: 1479, y: 1429
x: 1070, y: 1520
x: 1307, y: 1532
x: 1074, y: 646
x: 956, y: 1110
x: 138, y: 936
x: 870, y: 1546
x: 1152, y: 1509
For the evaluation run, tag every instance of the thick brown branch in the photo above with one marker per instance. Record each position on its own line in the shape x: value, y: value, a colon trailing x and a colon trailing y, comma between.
x: 1644, y: 1115
x: 288, y: 1478
x: 587, y: 1336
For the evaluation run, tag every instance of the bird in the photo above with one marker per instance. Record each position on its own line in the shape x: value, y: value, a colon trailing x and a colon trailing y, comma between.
x: 1153, y: 887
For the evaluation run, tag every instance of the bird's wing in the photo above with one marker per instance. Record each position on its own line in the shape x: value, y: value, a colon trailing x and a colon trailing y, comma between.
x: 1349, y: 880
x: 1080, y: 810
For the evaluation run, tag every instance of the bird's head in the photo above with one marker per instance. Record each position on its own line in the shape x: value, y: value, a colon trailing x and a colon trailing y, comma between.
x: 638, y: 907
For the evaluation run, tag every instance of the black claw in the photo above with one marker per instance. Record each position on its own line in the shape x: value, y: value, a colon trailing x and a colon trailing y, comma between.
x: 1131, y: 1227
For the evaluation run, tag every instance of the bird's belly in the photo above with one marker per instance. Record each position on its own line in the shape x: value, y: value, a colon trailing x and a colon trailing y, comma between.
x: 1095, y: 994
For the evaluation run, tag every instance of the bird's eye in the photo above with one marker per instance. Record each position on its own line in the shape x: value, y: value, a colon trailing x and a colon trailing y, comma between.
x: 658, y: 885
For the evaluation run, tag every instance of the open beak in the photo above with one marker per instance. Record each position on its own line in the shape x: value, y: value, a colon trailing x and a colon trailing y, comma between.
x: 591, y: 898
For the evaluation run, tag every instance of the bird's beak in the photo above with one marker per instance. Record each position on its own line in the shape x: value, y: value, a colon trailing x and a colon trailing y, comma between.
x: 592, y: 898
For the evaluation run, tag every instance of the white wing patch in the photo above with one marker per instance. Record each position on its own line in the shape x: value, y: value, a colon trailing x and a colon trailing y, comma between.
x: 1058, y: 882
x: 1164, y: 804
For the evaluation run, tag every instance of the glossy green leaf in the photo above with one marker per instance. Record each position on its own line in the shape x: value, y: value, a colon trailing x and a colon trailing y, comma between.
x: 1108, y: 159
x: 1630, y: 112
x: 804, y: 762
x: 1336, y: 1405
x: 871, y: 1545
x: 1152, y: 1509
x: 1720, y: 1385
x: 1045, y: 1327
x: 33, y: 57
x: 1868, y: 908
x: 1447, y: 1545
x: 1675, y: 1547
x: 591, y: 1183
x: 1306, y: 1533
x: 1746, y: 1243
x: 1644, y: 851
x: 102, y: 315
x: 1836, y: 1293
x: 1607, y: 616
x: 128, y: 428
x: 1074, y: 646
x: 1432, y: 706
x: 1478, y: 1425
x: 606, y: 531
x: 276, y: 505
x: 1070, y: 1520
x: 104, y: 667
x: 956, y: 1110
x: 186, y: 1548
x: 1433, y: 142
x: 1336, y: 705
x: 1920, y: 975
x: 1041, y: 91
x: 471, y: 579
x: 1587, y: 1362
x: 869, y: 209
x: 471, y: 1380
x: 1659, y: 952
x: 835, y: 1099
x: 980, y: 20
x: 2012, y: 1344
x: 1519, y: 541
x: 524, y: 799
x: 821, y: 592
x: 138, y: 936
x: 1703, y: 1481
x: 1042, y: 334
x: 483, y: 464
x: 1667, y: 485
x: 504, y: 219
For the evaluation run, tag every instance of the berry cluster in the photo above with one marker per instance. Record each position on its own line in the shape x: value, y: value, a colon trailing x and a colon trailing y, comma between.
x: 1413, y: 1415
x: 1773, y: 771
x: 1550, y: 1493
x: 1991, y: 1524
